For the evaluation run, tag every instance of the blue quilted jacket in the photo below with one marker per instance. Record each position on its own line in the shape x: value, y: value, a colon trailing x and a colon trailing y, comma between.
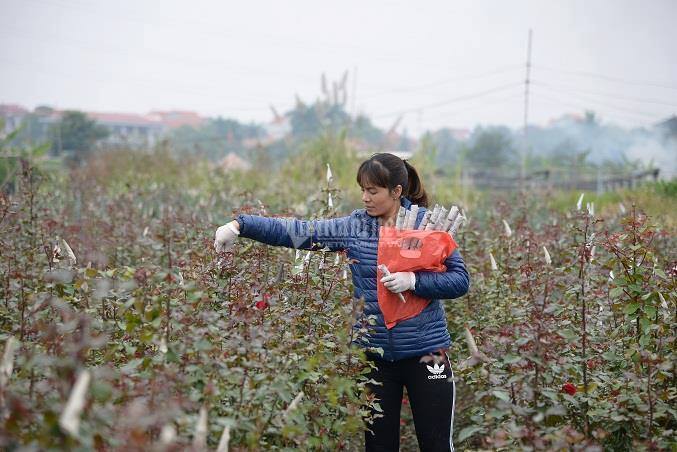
x: 357, y: 234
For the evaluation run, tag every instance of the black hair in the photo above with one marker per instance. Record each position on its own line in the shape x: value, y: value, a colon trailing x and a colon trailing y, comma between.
x: 387, y: 170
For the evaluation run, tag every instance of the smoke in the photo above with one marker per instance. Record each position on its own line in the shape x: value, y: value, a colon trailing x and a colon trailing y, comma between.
x: 645, y: 147
x: 655, y: 152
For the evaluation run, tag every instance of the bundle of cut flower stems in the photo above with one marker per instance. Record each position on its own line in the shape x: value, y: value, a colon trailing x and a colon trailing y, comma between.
x: 437, y: 219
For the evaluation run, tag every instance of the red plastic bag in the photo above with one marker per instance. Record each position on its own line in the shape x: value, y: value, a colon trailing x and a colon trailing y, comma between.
x: 437, y: 247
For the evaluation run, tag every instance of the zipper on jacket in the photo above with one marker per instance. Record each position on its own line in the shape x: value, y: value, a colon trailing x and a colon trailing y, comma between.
x: 374, y: 224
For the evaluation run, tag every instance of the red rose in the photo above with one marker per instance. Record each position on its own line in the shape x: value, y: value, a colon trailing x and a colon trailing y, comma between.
x: 261, y: 305
x: 569, y: 388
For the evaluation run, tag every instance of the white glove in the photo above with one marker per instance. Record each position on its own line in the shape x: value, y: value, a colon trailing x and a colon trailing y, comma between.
x: 225, y: 236
x: 399, y: 282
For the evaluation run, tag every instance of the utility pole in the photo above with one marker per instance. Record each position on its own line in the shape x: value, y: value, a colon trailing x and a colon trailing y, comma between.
x: 525, y: 147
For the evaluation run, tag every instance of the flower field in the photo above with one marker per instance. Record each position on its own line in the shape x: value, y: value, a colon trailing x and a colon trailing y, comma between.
x: 121, y: 328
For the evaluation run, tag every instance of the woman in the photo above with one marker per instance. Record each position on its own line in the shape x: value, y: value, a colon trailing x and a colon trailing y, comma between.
x: 387, y: 183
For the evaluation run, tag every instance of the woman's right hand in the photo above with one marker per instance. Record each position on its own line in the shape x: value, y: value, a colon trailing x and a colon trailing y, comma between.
x: 226, y: 235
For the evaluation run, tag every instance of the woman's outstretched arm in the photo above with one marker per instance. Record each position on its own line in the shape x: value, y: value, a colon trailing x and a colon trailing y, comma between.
x: 332, y: 233
x: 452, y: 283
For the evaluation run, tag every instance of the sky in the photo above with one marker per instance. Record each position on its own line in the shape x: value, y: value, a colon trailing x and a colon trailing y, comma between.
x: 436, y: 64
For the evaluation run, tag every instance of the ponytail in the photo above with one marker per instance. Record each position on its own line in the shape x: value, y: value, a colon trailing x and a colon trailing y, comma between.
x: 416, y: 192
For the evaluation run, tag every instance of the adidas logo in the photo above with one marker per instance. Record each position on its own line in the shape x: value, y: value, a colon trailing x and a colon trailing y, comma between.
x: 436, y: 371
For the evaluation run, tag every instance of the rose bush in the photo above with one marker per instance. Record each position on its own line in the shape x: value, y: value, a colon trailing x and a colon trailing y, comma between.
x: 573, y: 316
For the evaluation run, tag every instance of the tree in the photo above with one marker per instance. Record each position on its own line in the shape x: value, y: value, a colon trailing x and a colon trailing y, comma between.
x: 447, y: 146
x: 491, y: 148
x: 215, y: 138
x: 76, y: 134
x: 14, y: 159
x: 363, y: 128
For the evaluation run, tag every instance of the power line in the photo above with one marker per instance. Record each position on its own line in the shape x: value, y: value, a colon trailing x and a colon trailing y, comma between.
x: 606, y: 105
x: 608, y: 78
x: 624, y: 117
x: 451, y: 101
x: 456, y: 113
x: 609, y: 95
x: 445, y: 81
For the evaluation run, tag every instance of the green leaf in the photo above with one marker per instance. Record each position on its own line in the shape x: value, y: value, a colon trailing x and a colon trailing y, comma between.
x: 616, y: 292
x: 40, y: 150
x: 650, y: 311
x: 511, y: 359
x: 468, y: 432
x: 630, y: 308
x: 568, y: 334
x: 171, y: 356
x: 502, y: 395
x: 101, y: 390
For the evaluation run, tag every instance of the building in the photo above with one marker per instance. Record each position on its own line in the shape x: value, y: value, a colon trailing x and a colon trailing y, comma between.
x: 177, y: 118
x: 127, y: 129
x: 12, y: 116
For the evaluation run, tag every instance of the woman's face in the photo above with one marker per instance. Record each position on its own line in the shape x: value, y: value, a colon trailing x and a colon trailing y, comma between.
x: 379, y: 201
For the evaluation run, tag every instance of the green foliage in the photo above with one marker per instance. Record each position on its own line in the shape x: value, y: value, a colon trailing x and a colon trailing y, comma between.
x: 491, y: 147
x: 567, y: 359
x: 76, y: 134
x: 666, y: 188
x: 363, y: 128
x: 34, y: 130
x: 167, y: 327
x: 657, y: 200
x: 307, y: 121
x: 14, y: 157
x: 216, y: 138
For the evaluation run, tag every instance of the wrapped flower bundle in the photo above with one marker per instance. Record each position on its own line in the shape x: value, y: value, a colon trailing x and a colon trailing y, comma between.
x: 407, y: 248
x: 437, y: 219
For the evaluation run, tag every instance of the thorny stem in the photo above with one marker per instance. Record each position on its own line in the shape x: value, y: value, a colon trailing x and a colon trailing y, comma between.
x: 581, y: 297
x: 168, y: 243
x: 9, y: 271
x: 169, y: 318
x: 23, y: 310
x: 648, y: 390
x: 535, y: 318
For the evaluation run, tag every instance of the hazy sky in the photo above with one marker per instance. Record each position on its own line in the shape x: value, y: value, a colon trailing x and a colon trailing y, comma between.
x: 441, y: 63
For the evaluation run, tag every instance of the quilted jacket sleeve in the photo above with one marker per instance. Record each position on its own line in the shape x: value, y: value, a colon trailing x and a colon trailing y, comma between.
x: 453, y: 283
x: 293, y: 233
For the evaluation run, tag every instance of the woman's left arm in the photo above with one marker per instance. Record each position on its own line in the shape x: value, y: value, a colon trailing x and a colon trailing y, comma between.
x: 313, y: 235
x: 452, y: 283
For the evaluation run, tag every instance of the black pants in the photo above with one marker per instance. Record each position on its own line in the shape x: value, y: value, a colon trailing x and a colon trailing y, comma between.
x: 431, y: 388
